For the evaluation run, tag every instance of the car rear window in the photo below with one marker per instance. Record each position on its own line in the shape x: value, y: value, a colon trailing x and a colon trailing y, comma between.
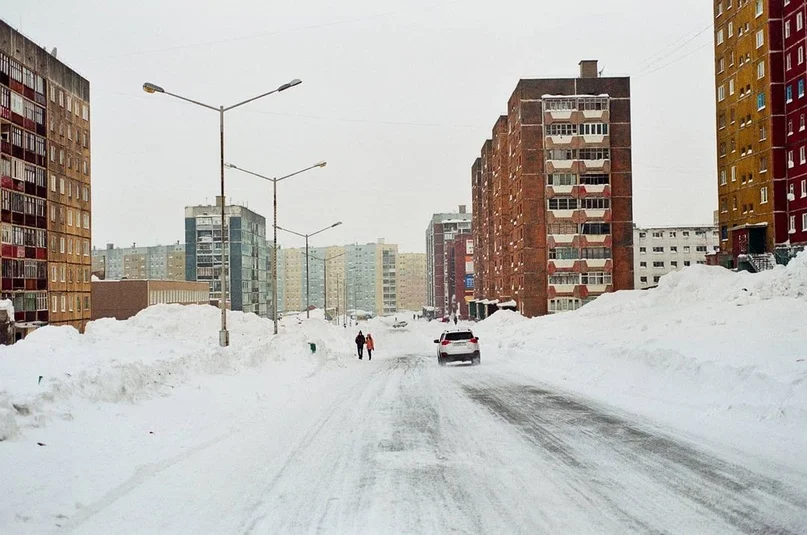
x: 466, y: 335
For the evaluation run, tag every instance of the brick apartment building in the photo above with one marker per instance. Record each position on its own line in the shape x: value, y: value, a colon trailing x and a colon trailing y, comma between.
x: 461, y: 257
x: 760, y: 73
x: 440, y: 273
x: 122, y: 299
x: 45, y: 174
x: 552, y: 196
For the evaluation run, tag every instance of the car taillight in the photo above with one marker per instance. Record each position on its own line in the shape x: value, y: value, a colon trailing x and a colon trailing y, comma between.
x: 445, y: 342
x: 474, y: 340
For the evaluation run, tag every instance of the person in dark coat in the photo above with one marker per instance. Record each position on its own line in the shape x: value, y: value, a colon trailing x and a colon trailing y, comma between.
x: 360, y: 344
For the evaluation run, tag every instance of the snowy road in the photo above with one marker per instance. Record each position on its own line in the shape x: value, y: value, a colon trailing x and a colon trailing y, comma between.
x: 400, y: 445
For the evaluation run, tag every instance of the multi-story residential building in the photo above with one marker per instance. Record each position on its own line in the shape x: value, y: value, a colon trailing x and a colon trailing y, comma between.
x: 440, y: 272
x: 158, y: 262
x: 761, y: 136
x: 559, y: 170
x: 45, y: 171
x: 462, y: 258
x: 795, y: 75
x: 411, y: 281
x: 364, y: 275
x: 247, y: 258
x: 662, y: 250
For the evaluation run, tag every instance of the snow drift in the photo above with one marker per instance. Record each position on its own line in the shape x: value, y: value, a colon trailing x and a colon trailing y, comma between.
x: 146, y: 356
x: 710, y: 351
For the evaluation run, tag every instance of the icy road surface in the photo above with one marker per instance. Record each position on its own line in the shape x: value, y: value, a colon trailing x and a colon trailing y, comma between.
x: 396, y: 445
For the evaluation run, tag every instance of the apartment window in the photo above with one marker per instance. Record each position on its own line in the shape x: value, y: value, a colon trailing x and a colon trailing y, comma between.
x: 721, y: 65
x: 642, y: 264
x: 658, y: 234
x: 64, y: 303
x: 643, y: 280
x: 760, y: 38
x: 760, y: 101
x: 731, y: 87
x: 790, y: 159
x: 687, y: 248
x: 563, y: 203
x: 721, y: 93
x: 763, y: 133
x: 658, y: 250
x: 720, y: 36
x: 722, y: 177
x: 674, y: 263
x: 61, y: 186
x: 763, y: 195
x: 801, y: 55
x: 789, y: 93
x: 788, y: 63
x: 787, y: 29
x: 804, y: 188
x: 642, y: 235
x: 733, y: 173
x: 792, y: 224
x: 760, y: 70
x: 758, y: 8
x: 54, y: 274
x: 70, y: 218
x: 803, y: 222
x: 802, y: 155
x: 61, y: 245
x: 801, y: 88
x: 724, y: 206
x: 734, y: 204
x: 672, y: 234
x: 763, y: 164
x: 658, y: 264
x: 730, y: 29
x: 721, y: 121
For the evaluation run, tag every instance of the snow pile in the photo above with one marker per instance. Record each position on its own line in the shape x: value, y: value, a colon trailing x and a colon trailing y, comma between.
x: 145, y: 356
x: 709, y: 351
x: 8, y: 306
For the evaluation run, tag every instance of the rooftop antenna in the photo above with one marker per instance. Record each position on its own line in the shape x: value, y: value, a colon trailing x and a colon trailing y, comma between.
x: 601, y: 71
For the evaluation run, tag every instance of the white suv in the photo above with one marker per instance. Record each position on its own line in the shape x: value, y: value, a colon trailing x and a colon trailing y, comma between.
x: 457, y: 345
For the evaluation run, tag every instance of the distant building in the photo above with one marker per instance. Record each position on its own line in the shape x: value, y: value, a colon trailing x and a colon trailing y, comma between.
x: 363, y: 275
x: 248, y: 285
x: 552, y: 196
x: 45, y: 182
x: 411, y: 281
x: 440, y: 273
x: 122, y: 299
x: 158, y: 262
x: 462, y: 260
x: 662, y: 250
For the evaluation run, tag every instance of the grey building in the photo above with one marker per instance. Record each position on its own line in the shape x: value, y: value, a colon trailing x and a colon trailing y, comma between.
x: 248, y: 259
x: 158, y: 262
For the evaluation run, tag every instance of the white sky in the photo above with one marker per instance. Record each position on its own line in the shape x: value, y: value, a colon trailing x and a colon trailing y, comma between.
x: 397, y: 96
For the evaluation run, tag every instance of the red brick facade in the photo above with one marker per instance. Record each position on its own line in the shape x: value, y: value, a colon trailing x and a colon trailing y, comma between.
x: 554, y: 195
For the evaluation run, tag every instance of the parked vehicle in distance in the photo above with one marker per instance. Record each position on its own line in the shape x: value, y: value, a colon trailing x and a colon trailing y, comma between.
x: 399, y: 325
x: 458, y: 345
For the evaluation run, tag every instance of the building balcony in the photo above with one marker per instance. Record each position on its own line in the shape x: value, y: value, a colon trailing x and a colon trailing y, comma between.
x: 562, y: 166
x: 599, y: 166
x: 552, y: 191
x: 577, y: 142
x: 576, y: 116
x: 598, y: 264
x: 599, y: 190
x: 561, y: 289
x: 558, y: 264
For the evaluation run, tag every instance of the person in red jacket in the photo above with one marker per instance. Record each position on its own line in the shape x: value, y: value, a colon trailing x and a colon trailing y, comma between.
x: 370, y: 343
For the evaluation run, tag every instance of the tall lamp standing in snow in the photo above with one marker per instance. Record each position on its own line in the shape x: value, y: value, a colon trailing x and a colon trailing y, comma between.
x: 148, y: 87
x: 307, y: 281
x: 274, y: 182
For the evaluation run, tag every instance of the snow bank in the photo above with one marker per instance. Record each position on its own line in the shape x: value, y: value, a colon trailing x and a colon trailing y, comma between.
x: 709, y: 351
x: 8, y: 306
x: 145, y: 356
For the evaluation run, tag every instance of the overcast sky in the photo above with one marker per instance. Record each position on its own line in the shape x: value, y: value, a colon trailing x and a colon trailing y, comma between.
x: 397, y: 96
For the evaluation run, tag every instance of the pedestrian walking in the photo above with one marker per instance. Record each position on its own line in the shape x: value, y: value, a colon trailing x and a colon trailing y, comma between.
x: 370, y: 343
x: 360, y: 344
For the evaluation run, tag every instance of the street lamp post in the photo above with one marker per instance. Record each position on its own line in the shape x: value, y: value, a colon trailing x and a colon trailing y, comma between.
x: 307, y: 280
x: 274, y: 182
x: 325, y: 280
x: 148, y: 87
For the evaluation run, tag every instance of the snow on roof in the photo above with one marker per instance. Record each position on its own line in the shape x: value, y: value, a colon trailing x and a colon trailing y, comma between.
x: 510, y: 303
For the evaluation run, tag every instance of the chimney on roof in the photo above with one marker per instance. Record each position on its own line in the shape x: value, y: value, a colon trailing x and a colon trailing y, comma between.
x: 588, y: 69
x: 462, y: 208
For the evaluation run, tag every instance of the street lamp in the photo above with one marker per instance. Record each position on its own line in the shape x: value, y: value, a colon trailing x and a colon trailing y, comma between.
x: 274, y: 182
x: 325, y: 281
x: 148, y: 87
x: 307, y: 281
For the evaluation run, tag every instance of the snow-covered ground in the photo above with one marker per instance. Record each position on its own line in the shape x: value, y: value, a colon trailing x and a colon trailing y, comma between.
x: 681, y: 409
